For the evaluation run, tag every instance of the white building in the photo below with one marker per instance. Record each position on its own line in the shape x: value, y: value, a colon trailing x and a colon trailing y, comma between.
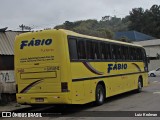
x: 152, y: 47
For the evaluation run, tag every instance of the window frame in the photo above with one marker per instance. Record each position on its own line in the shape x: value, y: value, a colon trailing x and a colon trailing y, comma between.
x: 105, y: 43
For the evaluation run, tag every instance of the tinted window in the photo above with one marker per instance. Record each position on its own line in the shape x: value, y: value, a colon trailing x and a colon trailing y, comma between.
x: 131, y: 53
x: 103, y: 51
x: 139, y: 54
x: 97, y: 54
x: 125, y: 53
x: 73, y: 48
x: 143, y: 54
x: 95, y: 50
x: 90, y: 49
x: 113, y: 51
x: 81, y: 49
x: 108, y: 51
x: 116, y: 52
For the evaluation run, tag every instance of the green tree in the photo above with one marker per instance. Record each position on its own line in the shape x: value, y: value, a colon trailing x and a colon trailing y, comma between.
x: 103, y: 28
x: 136, y: 17
x: 146, y: 21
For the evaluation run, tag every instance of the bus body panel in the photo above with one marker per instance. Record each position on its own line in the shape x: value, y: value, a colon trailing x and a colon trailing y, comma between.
x: 126, y: 80
x: 38, y: 66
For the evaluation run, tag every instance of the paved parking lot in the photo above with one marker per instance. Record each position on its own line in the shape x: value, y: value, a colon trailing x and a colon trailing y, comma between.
x: 147, y: 100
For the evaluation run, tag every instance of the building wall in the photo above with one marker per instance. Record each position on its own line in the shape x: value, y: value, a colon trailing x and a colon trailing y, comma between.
x: 152, y: 47
x: 152, y: 51
x: 7, y: 80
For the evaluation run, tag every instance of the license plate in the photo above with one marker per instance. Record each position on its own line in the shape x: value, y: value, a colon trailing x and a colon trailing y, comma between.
x: 39, y: 99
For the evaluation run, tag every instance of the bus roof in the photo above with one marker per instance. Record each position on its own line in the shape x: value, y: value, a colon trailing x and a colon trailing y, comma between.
x: 71, y: 33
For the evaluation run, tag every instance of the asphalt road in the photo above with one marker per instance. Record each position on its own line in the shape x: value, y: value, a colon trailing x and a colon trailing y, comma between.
x: 147, y: 100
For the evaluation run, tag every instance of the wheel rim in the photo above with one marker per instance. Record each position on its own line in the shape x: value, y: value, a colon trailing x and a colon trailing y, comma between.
x: 100, y: 95
x: 139, y: 86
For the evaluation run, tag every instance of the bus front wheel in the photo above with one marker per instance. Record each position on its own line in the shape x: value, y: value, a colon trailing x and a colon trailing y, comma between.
x: 100, y: 94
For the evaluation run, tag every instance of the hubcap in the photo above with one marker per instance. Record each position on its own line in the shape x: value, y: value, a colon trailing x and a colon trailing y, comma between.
x: 100, y: 95
x: 139, y: 85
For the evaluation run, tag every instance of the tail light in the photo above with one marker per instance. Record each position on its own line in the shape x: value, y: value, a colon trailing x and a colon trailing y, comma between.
x: 64, y: 86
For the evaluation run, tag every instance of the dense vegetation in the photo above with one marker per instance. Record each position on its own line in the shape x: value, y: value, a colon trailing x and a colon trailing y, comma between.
x: 145, y: 21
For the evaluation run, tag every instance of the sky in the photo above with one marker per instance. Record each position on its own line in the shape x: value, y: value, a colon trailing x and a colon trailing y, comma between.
x: 49, y: 13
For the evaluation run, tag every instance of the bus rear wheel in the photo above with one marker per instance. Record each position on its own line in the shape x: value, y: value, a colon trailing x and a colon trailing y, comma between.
x: 100, y: 95
x: 139, y: 89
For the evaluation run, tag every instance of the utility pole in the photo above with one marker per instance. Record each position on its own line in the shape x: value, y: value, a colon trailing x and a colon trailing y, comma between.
x: 22, y: 27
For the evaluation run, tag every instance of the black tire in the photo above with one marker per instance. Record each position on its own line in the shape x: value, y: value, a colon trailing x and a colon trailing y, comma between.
x: 100, y: 94
x: 152, y: 75
x: 139, y: 89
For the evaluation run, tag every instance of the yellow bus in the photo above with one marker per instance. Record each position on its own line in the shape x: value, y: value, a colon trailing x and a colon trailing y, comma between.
x: 63, y: 67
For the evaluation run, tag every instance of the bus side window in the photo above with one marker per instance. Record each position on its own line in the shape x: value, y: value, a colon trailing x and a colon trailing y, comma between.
x: 72, y: 42
x: 108, y: 51
x: 131, y: 53
x: 127, y: 53
x: 143, y: 54
x: 134, y: 54
x: 138, y: 54
x: 113, y: 50
x: 123, y: 52
x: 97, y: 50
x: 118, y: 52
x: 81, y: 49
x: 103, y: 50
x: 90, y: 49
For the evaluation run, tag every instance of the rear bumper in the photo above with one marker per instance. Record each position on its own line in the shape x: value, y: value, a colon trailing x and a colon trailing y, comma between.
x: 49, y: 98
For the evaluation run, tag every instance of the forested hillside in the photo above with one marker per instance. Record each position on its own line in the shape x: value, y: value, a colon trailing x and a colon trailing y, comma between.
x: 145, y: 21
